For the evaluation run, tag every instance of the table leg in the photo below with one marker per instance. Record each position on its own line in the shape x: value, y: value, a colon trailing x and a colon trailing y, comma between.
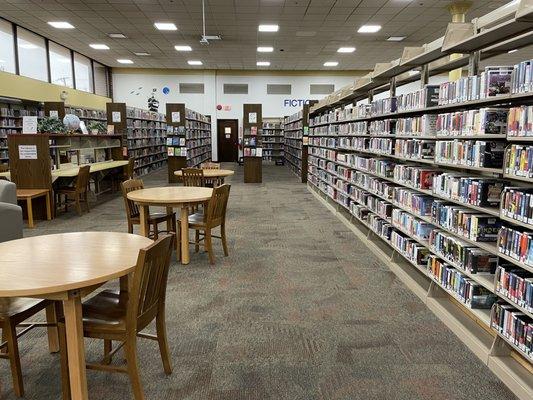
x: 144, y: 213
x: 184, y: 234
x: 75, y: 346
x: 30, y: 212
x: 48, y: 207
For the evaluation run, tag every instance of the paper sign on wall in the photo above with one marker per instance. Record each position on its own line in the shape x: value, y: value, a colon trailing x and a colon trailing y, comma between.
x: 176, y: 116
x: 252, y: 118
x: 29, y: 124
x: 54, y: 114
x: 116, y: 117
x: 227, y: 130
x: 27, y: 152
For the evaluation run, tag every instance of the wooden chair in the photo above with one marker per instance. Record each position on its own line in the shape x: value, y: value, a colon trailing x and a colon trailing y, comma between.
x: 133, y: 213
x: 193, y: 177
x: 121, y: 316
x: 4, y: 168
x: 129, y: 170
x: 77, y: 193
x: 13, y: 311
x: 214, y: 216
x: 210, y: 165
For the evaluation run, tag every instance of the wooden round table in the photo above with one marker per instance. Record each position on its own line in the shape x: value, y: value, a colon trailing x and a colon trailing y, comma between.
x: 212, y: 174
x: 66, y: 267
x: 171, y: 197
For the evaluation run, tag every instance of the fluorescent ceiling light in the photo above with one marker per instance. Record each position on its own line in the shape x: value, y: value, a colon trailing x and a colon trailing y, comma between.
x: 28, y: 46
x: 99, y: 46
x: 194, y: 62
x: 512, y: 51
x: 141, y: 53
x: 124, y: 61
x: 263, y: 63
x: 395, y: 38
x: 369, y: 29
x: 183, y: 48
x: 116, y: 35
x: 166, y: 26
x: 61, y: 25
x: 346, y: 50
x: 265, y: 49
x: 331, y: 63
x: 268, y: 28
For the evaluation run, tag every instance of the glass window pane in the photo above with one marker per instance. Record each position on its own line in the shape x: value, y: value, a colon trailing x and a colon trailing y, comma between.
x: 32, y: 55
x: 7, y: 47
x: 83, y: 73
x: 100, y: 79
x: 60, y: 65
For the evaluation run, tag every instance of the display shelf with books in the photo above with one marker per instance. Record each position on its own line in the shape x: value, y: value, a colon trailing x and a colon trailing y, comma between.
x: 252, y: 143
x: 188, y: 138
x: 273, y: 143
x: 435, y: 174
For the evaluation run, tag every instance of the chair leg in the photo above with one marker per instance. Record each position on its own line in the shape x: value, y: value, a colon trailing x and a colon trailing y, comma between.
x: 108, y: 347
x: 14, y: 357
x: 66, y: 203
x: 223, y: 236
x: 163, y: 343
x: 196, y: 241
x: 87, y: 201
x: 130, y: 348
x: 65, y: 379
x: 130, y: 228
x: 209, y: 246
x: 156, y: 231
x: 78, y: 203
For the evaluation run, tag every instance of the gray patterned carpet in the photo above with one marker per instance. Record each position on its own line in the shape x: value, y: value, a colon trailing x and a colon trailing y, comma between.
x: 300, y: 310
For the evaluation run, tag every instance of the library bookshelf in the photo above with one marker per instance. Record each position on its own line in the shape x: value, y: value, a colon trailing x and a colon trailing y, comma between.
x: 188, y: 138
x: 273, y: 143
x: 437, y: 182
x: 252, y: 143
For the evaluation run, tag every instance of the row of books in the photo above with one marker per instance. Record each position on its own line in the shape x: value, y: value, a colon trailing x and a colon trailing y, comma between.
x: 515, y: 284
x: 485, y: 121
x: 424, y: 125
x: 514, y: 325
x: 137, y: 113
x: 414, y: 149
x: 428, y: 96
x: 193, y: 115
x: 18, y: 112
x: 516, y: 244
x: 253, y: 152
x: 484, y: 192
x: 86, y: 114
x: 520, y: 122
x: 475, y: 153
x: 382, y: 127
x: 522, y: 77
x: 517, y: 203
x: 177, y: 151
x: 519, y: 161
x: 175, y: 141
x: 142, y: 124
x: 10, y: 122
x: 410, y: 249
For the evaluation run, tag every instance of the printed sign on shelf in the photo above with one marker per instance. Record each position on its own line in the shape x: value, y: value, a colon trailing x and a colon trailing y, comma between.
x: 116, y: 117
x: 176, y: 117
x: 54, y: 114
x: 29, y: 124
x: 252, y: 118
x: 27, y: 152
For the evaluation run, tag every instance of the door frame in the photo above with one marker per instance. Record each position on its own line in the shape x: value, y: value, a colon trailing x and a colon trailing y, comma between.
x: 218, y: 134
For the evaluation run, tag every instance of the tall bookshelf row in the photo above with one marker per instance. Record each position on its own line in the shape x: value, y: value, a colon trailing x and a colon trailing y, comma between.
x: 439, y: 182
x: 273, y: 143
x: 188, y: 138
x: 296, y: 131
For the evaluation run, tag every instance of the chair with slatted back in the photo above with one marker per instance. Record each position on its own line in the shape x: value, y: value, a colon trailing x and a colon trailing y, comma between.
x: 129, y: 170
x: 122, y: 316
x: 133, y: 213
x: 78, y: 192
x: 193, y: 177
x: 210, y: 165
x: 214, y: 216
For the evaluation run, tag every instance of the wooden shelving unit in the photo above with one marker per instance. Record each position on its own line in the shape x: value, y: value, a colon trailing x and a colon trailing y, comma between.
x: 356, y: 175
x: 188, y: 138
x: 252, y: 143
x: 273, y: 143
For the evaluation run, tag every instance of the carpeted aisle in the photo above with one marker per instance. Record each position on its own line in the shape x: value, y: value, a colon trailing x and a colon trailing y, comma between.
x: 300, y: 310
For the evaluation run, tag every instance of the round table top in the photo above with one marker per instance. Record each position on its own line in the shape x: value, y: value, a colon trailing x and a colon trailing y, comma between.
x: 171, y: 195
x: 49, y: 264
x: 212, y: 173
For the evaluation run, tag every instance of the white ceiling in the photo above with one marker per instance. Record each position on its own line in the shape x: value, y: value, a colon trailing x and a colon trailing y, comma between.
x: 310, y: 32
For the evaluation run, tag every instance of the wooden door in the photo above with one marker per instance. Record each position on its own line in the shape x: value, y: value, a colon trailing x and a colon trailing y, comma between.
x: 228, y: 140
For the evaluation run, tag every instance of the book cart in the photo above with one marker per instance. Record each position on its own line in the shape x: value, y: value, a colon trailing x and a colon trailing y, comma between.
x: 296, y: 131
x: 438, y: 182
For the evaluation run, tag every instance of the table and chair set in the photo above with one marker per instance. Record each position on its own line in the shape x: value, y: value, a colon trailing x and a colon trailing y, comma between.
x: 33, y: 278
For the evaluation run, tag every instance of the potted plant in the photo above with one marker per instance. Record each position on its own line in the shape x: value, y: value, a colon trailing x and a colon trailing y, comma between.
x: 50, y: 125
x: 96, y: 128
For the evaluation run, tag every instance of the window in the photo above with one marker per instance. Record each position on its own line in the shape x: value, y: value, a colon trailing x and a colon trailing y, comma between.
x: 100, y: 79
x: 83, y: 73
x: 322, y: 89
x: 192, y: 88
x: 32, y: 55
x: 279, y: 89
x: 60, y: 65
x: 7, y: 47
x: 235, y: 88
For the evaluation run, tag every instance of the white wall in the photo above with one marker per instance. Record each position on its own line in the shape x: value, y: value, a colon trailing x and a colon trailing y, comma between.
x: 135, y: 88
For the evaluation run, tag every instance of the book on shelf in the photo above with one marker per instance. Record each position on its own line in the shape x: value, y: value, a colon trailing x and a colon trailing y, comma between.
x: 516, y: 284
x: 513, y: 325
x: 517, y: 203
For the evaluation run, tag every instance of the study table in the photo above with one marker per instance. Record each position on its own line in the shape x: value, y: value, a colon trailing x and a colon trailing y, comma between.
x: 212, y: 174
x: 66, y: 267
x: 170, y: 197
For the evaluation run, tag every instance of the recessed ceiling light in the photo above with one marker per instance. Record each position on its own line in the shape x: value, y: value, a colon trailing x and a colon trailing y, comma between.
x: 61, y: 25
x: 142, y: 53
x: 331, y: 64
x: 265, y: 49
x: 166, y: 26
x: 117, y: 35
x: 124, y: 61
x: 369, y: 29
x: 395, y: 38
x: 195, y: 62
x: 263, y: 63
x: 183, y: 48
x: 512, y: 51
x: 99, y: 46
x: 268, y: 28
x: 346, y: 50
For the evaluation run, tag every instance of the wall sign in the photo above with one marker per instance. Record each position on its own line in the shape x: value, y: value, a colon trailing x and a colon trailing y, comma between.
x: 295, y: 102
x: 29, y: 124
x: 252, y: 118
x: 27, y: 152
